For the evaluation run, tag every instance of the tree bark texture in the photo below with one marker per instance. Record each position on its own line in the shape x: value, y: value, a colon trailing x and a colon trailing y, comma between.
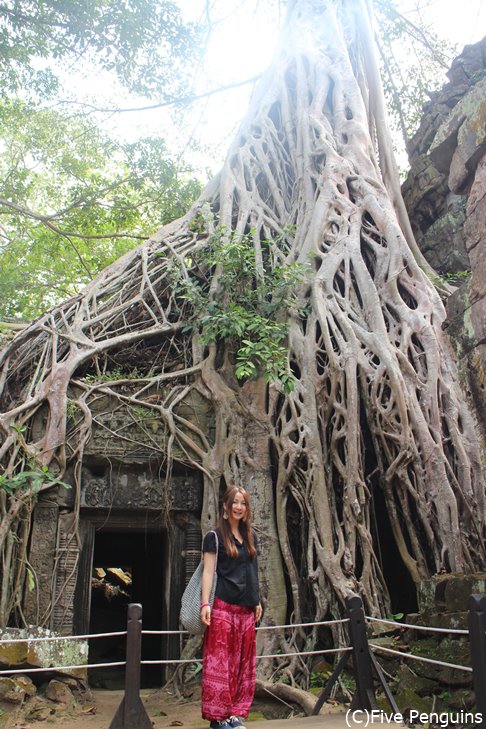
x: 376, y: 412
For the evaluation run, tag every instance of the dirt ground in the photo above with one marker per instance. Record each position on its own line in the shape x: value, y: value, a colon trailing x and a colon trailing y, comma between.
x: 97, y: 710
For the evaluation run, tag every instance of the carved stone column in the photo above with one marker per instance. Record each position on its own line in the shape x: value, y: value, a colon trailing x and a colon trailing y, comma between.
x: 37, y: 602
x: 67, y: 561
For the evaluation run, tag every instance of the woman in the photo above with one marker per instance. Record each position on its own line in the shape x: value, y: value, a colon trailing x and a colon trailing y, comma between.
x: 229, y: 648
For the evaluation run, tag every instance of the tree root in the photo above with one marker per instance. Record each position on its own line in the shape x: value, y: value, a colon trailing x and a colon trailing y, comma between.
x: 288, y: 694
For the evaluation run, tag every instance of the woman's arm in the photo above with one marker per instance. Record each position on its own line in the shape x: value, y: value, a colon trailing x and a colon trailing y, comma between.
x: 258, y: 612
x: 207, y: 582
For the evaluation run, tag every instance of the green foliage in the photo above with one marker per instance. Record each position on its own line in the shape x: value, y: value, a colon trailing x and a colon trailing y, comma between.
x: 395, y: 616
x: 30, y: 481
x: 414, y: 59
x: 112, y: 376
x: 318, y: 679
x: 249, y: 307
x: 73, y: 411
x: 146, y: 44
x: 456, y: 278
x: 72, y: 201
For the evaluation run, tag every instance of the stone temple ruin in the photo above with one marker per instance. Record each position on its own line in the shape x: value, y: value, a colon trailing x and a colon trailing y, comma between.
x: 135, y: 523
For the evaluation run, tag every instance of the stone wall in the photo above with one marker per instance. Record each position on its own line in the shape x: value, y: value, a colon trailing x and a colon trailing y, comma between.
x: 124, y: 489
x: 445, y: 194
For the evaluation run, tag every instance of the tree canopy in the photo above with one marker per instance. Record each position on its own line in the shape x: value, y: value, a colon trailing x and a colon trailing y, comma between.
x: 73, y: 200
x: 146, y: 44
x: 72, y: 197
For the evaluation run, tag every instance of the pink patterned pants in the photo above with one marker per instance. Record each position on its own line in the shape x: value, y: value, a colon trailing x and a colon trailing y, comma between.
x: 229, y: 662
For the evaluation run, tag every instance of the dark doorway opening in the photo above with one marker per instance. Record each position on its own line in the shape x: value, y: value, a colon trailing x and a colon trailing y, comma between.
x: 128, y: 567
x: 397, y: 577
x: 402, y: 590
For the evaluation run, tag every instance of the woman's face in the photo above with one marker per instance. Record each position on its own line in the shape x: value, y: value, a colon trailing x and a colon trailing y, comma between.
x: 237, y: 507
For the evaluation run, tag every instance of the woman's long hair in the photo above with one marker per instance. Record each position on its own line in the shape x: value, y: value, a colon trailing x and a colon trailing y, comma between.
x: 244, y: 525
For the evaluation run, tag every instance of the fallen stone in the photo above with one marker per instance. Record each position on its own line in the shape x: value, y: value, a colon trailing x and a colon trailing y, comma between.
x: 409, y: 680
x: 40, y: 711
x: 407, y: 699
x: 11, y: 691
x: 60, y: 693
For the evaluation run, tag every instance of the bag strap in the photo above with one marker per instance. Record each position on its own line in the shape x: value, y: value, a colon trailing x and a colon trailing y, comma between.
x: 217, y: 550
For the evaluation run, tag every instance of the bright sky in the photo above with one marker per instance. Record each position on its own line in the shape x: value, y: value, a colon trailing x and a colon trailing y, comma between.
x: 462, y: 21
x: 240, y: 46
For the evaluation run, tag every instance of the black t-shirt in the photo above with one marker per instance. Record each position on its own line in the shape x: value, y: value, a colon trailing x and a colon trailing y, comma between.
x: 237, y: 576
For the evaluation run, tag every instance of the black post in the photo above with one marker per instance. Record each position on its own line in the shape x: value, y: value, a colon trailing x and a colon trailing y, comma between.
x: 131, y: 712
x: 364, y: 697
x: 477, y: 640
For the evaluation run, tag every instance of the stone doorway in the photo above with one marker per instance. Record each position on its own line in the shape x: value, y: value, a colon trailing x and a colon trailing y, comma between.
x: 127, y: 567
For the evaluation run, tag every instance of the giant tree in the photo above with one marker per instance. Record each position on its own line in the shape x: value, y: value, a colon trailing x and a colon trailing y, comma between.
x: 299, y: 247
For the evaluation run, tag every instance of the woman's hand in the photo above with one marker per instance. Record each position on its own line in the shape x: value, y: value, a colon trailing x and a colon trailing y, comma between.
x: 207, y: 581
x: 258, y: 613
x: 206, y: 615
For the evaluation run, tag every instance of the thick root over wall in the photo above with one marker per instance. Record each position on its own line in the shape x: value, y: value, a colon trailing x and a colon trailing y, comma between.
x: 375, y: 442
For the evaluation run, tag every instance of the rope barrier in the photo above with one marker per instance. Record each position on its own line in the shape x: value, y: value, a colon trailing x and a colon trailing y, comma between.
x: 308, y: 653
x: 303, y: 625
x: 60, y: 637
x: 168, y: 661
x: 53, y: 639
x: 120, y: 633
x: 62, y: 668
x: 420, y: 658
x: 263, y: 627
x: 276, y: 655
x: 165, y: 632
x: 260, y: 627
x: 457, y: 631
x: 163, y: 662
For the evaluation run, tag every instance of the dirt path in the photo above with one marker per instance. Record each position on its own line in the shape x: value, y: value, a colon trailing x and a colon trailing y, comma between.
x: 163, y: 709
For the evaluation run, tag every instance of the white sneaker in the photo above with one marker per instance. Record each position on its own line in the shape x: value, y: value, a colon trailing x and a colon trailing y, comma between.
x: 235, y: 723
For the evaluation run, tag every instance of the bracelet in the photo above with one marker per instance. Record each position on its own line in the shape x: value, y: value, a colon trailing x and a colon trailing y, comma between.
x: 206, y: 604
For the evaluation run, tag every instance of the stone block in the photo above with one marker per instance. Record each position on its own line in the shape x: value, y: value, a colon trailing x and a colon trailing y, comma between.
x: 11, y: 691
x: 27, y: 685
x: 59, y: 692
x: 407, y: 679
x: 407, y: 699
x: 425, y: 194
x: 460, y: 141
x: 443, y: 242
x: 455, y: 620
x: 33, y: 654
x: 469, y: 64
x: 449, y: 592
x: 40, y: 711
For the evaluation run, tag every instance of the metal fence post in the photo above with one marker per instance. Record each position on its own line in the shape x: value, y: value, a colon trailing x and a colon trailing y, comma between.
x: 477, y: 640
x: 364, y: 698
x: 131, y: 712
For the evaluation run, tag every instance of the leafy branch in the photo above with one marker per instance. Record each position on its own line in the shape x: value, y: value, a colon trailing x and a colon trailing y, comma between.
x: 30, y: 481
x: 247, y: 304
